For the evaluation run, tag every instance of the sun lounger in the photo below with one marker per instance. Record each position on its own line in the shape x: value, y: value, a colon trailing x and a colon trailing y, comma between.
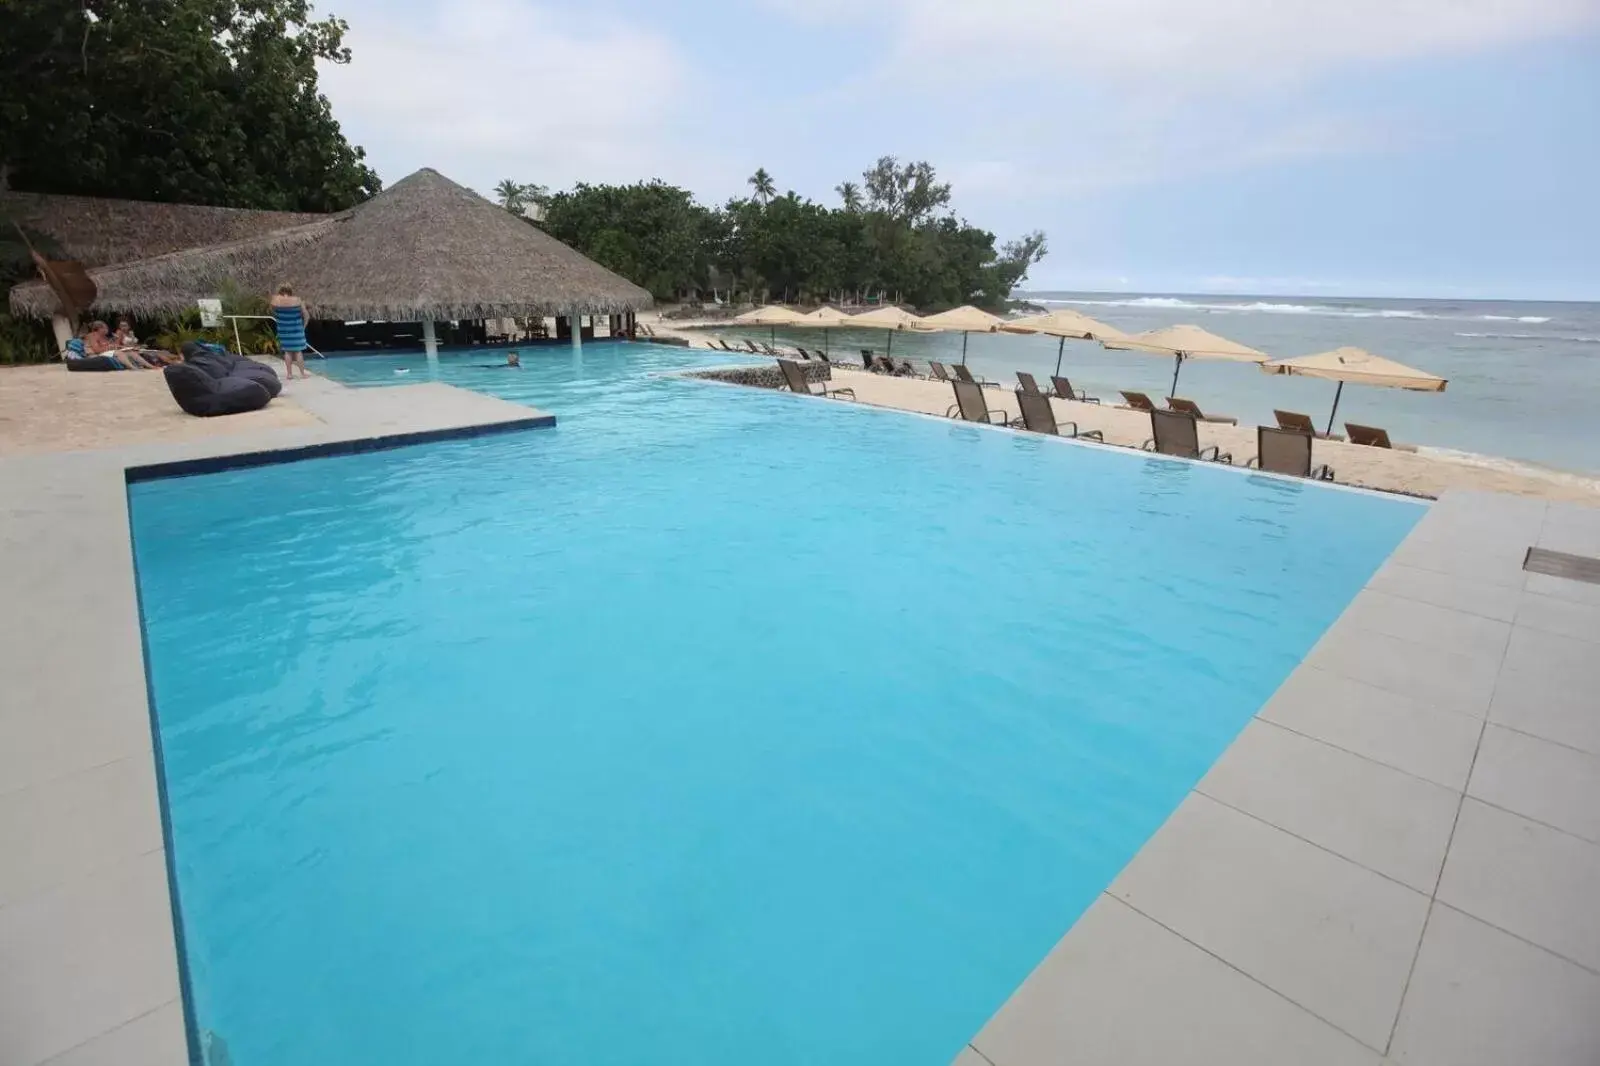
x: 750, y: 344
x: 963, y: 374
x: 937, y: 372
x: 795, y: 378
x: 1374, y: 437
x: 1286, y: 451
x: 1302, y: 424
x: 1176, y: 433
x: 904, y: 369
x: 1189, y: 407
x: 1040, y: 417
x: 1026, y: 383
x: 1065, y: 391
x: 972, y: 407
x: 1137, y: 401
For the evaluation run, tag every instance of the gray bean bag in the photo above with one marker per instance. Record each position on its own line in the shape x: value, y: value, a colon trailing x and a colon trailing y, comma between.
x: 198, y: 393
x: 219, y: 364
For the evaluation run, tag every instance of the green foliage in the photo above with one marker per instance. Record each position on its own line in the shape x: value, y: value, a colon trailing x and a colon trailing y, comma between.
x: 517, y: 198
x: 255, y: 337
x: 893, y: 237
x: 23, y: 340
x: 187, y: 101
x: 651, y: 233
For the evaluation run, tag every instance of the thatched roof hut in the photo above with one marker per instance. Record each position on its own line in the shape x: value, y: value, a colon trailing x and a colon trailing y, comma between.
x: 96, y: 231
x: 425, y: 249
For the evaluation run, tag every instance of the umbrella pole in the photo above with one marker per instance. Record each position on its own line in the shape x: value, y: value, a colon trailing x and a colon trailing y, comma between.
x: 963, y: 349
x: 1177, y: 365
x: 772, y: 336
x: 1060, y: 350
x: 889, y: 348
x: 1336, y: 394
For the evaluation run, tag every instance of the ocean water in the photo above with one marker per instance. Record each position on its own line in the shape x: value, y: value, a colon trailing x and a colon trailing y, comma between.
x: 712, y: 726
x: 1524, y: 377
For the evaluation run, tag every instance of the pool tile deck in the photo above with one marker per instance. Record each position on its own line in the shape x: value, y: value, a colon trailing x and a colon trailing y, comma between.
x: 1396, y: 861
x: 88, y: 963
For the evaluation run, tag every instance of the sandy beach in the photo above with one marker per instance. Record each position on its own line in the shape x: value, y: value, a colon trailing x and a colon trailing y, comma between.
x: 47, y: 409
x: 1424, y: 472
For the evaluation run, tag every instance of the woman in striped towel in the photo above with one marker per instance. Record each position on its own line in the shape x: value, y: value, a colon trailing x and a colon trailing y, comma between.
x: 290, y: 313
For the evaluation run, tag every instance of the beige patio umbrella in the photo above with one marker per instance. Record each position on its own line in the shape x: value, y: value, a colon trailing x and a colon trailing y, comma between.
x: 1359, y: 367
x: 967, y: 319
x: 890, y: 318
x: 1186, y: 342
x: 1066, y: 324
x: 826, y: 318
x: 772, y: 315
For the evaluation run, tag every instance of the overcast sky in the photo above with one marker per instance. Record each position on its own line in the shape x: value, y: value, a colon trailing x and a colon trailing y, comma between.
x: 1359, y: 147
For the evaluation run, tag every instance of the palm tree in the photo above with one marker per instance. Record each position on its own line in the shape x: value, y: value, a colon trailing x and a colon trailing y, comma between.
x: 511, y: 195
x: 761, y: 182
x: 850, y: 193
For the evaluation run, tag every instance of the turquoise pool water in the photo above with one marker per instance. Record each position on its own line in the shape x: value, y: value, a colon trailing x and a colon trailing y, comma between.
x: 712, y: 726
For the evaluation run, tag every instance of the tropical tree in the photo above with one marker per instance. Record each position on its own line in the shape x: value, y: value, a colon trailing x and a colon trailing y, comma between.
x: 850, y: 194
x: 194, y: 101
x: 761, y: 182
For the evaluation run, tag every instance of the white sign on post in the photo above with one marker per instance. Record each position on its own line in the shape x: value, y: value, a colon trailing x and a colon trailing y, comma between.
x: 210, y: 313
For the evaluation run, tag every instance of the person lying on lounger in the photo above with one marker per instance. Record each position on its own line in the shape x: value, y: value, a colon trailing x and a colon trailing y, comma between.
x: 127, y: 341
x: 98, y: 341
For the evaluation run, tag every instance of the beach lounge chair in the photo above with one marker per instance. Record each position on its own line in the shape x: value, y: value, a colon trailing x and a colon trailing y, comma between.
x: 1301, y: 424
x: 904, y: 369
x: 1177, y: 433
x: 1374, y: 437
x: 795, y: 378
x: 963, y: 374
x: 750, y: 344
x: 883, y: 364
x: 1286, y: 451
x: 1040, y: 417
x: 1189, y: 407
x: 1137, y: 401
x: 1026, y: 383
x: 1065, y: 391
x: 972, y: 407
x: 937, y: 372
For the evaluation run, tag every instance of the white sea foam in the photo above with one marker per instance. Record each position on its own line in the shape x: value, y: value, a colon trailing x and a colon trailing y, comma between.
x: 1271, y: 308
x: 1567, y: 338
x: 1511, y: 466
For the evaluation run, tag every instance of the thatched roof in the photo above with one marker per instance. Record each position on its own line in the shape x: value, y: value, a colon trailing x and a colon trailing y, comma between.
x: 423, y: 248
x: 96, y: 231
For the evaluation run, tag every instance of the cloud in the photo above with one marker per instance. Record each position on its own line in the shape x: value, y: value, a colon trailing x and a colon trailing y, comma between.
x: 490, y: 89
x: 1189, y: 44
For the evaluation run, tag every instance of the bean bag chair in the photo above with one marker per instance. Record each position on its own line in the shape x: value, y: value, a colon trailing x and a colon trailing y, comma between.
x: 93, y: 362
x: 219, y: 363
x: 198, y: 393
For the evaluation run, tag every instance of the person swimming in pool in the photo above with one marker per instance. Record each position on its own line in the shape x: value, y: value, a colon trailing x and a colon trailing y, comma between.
x: 513, y: 362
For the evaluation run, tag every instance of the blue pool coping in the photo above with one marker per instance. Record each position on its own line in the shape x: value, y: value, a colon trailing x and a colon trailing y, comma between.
x: 212, y: 464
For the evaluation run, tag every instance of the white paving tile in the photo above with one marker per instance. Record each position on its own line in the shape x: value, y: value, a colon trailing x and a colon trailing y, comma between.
x: 1120, y: 990
x: 1486, y: 565
x: 1535, y: 702
x: 62, y: 829
x: 1580, y: 621
x: 85, y: 958
x: 1533, y: 881
x: 154, y: 1039
x: 1443, y: 590
x: 1325, y: 933
x: 1564, y: 589
x: 1546, y: 782
x: 1381, y: 725
x: 1374, y: 815
x: 1565, y: 661
x: 1443, y: 680
x: 1438, y: 627
x: 1481, y: 997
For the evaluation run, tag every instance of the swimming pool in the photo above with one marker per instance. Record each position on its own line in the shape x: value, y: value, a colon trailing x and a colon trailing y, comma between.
x: 713, y: 725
